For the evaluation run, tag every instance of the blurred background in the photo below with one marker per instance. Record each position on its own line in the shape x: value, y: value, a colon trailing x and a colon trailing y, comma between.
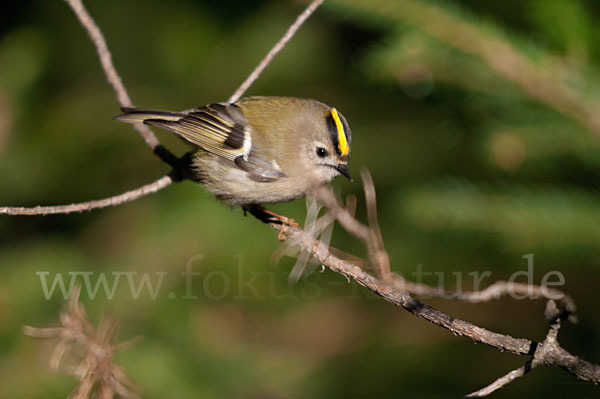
x: 478, y: 123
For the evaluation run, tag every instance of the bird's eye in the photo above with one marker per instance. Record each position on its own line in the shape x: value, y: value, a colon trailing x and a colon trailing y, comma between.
x: 322, y: 152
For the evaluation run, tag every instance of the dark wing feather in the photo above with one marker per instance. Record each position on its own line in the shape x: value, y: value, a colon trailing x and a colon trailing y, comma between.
x: 211, y: 128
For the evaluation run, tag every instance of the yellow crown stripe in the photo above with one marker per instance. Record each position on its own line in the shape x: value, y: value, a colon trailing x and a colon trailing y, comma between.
x: 342, y: 140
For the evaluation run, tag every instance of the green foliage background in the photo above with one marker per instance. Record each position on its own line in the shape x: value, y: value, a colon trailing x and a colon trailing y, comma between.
x: 472, y: 173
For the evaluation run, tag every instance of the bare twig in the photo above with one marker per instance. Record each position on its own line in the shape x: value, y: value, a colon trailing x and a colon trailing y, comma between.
x: 494, y: 291
x: 276, y: 49
x: 502, y: 381
x: 313, y: 228
x: 123, y: 98
x: 380, y: 255
x: 549, y: 353
x: 321, y: 228
x: 370, y: 235
x: 107, y: 65
x: 88, y: 206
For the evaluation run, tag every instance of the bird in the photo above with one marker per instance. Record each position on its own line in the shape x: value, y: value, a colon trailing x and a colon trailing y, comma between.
x: 260, y: 149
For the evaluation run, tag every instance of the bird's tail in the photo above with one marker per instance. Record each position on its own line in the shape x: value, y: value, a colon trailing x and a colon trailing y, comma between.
x: 137, y: 115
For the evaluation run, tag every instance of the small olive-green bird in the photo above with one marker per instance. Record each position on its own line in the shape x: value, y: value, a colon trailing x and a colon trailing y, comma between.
x: 259, y: 150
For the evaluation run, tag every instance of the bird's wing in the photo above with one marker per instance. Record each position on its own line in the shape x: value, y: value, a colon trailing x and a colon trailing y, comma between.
x: 221, y: 129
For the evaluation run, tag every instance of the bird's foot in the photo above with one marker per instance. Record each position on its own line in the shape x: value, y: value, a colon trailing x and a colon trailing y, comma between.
x: 268, y: 216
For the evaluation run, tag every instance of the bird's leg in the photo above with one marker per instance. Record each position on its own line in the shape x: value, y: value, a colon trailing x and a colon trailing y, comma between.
x: 268, y: 216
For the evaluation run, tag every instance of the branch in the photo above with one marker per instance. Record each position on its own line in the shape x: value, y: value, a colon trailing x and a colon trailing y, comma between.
x: 380, y: 263
x: 276, y: 49
x: 549, y: 353
x: 389, y: 288
x: 107, y: 65
x: 495, y: 291
x: 123, y: 98
x: 502, y: 381
x: 88, y: 206
x: 370, y: 235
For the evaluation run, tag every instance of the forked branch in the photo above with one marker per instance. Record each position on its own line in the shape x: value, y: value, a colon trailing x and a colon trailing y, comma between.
x: 396, y: 290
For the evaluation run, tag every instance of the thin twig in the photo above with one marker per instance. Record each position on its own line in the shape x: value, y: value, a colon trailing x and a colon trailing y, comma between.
x: 494, y: 291
x: 548, y: 353
x: 502, y: 381
x: 276, y: 49
x: 88, y: 206
x: 380, y: 255
x: 107, y: 65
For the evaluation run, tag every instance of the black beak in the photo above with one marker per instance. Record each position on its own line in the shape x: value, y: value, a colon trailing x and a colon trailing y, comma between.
x: 343, y: 169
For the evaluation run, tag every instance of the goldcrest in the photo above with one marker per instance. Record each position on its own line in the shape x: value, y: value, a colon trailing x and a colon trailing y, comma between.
x: 259, y: 150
